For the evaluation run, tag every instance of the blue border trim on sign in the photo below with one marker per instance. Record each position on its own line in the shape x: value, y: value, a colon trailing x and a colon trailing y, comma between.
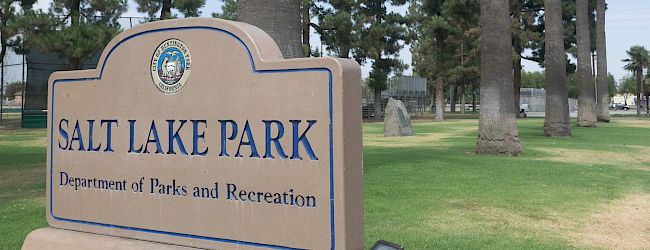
x: 255, y: 70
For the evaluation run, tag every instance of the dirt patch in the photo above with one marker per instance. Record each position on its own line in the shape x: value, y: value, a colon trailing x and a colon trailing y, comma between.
x: 467, y: 216
x: 41, y: 142
x: 634, y: 123
x: 22, y: 182
x: 419, y: 139
x: 623, y: 224
x: 636, y: 158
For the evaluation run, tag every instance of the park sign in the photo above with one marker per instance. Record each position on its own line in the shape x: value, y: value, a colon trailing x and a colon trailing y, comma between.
x: 196, y: 132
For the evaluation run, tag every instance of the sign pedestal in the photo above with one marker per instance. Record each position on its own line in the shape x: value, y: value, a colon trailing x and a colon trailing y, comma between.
x: 54, y: 239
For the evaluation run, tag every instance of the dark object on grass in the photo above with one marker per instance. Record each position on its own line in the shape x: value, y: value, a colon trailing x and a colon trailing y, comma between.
x: 522, y: 113
x: 385, y: 245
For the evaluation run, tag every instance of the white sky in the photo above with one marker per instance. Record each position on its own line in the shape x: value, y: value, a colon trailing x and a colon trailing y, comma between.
x: 628, y: 24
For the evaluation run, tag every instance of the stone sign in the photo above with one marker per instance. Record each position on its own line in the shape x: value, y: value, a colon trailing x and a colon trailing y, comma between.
x: 196, y: 132
x: 396, y: 119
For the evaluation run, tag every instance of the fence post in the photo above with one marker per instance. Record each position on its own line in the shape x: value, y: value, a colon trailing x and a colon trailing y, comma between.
x: 22, y: 104
x: 2, y: 90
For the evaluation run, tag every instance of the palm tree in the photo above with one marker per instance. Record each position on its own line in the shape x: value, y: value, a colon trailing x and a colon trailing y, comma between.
x: 279, y: 18
x: 637, y: 61
x: 586, y: 89
x: 497, y: 133
x: 601, y: 79
x: 556, y: 121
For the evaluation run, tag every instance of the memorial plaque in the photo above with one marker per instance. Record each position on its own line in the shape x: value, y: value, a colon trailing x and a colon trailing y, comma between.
x: 197, y: 132
x: 396, y: 119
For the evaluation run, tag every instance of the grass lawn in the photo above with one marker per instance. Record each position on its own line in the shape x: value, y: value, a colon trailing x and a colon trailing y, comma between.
x: 430, y: 191
x: 22, y: 184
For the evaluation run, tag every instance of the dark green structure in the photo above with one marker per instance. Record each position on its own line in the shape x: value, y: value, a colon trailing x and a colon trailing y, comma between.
x: 40, y: 65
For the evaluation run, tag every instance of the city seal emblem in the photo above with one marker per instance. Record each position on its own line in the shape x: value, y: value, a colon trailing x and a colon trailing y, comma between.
x: 171, y: 66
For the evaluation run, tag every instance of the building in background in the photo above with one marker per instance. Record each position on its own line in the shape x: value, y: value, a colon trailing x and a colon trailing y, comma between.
x: 534, y: 100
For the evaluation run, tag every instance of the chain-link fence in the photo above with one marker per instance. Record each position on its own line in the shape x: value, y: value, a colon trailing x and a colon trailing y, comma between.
x: 23, y: 80
x: 411, y: 90
x: 12, y: 81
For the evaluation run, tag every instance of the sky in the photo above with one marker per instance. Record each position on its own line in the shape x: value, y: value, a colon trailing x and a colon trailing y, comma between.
x: 627, y: 24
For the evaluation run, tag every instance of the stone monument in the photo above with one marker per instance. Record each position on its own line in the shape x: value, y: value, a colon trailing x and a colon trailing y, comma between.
x: 197, y: 133
x: 396, y: 119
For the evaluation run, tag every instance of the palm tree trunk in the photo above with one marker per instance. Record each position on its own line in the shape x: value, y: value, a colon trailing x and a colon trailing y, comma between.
x: 279, y: 18
x: 305, y: 27
x: 586, y: 89
x: 556, y: 121
x: 639, y: 90
x: 601, y: 79
x: 497, y: 132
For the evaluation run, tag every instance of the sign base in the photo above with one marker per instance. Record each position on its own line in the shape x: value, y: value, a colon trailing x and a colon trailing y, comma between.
x: 54, y: 239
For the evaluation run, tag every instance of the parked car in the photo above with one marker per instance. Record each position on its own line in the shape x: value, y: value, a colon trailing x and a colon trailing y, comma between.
x: 619, y: 106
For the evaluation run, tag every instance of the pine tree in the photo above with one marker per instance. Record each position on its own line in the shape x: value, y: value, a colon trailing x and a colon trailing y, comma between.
x: 228, y: 10
x: 380, y: 34
x: 189, y: 8
x: 10, y: 22
x: 338, y: 29
x: 464, y: 38
x: 570, y: 40
x: 525, y: 35
x: 307, y: 12
x: 75, y: 30
x: 444, y: 37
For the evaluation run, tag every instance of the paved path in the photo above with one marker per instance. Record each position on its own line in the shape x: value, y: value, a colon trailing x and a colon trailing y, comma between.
x: 575, y: 113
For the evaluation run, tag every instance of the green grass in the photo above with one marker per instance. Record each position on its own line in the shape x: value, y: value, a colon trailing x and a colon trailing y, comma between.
x: 429, y: 191
x: 22, y: 185
x: 436, y: 194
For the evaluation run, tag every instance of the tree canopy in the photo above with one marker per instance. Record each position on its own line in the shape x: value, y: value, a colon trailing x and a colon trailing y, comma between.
x: 189, y: 8
x: 10, y: 22
x: 74, y: 29
x: 228, y: 10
